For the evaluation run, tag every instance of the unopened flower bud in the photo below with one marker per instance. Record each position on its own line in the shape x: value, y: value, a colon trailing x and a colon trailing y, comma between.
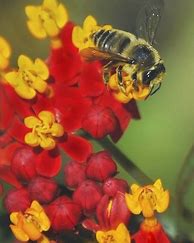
x: 112, y: 185
x: 112, y: 211
x: 100, y: 166
x: 88, y: 195
x: 23, y: 165
x: 99, y: 122
x: 74, y: 174
x: 43, y: 189
x: 64, y: 213
x: 17, y: 200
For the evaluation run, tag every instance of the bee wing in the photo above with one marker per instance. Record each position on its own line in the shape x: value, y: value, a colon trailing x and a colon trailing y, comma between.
x: 148, y: 19
x: 92, y: 54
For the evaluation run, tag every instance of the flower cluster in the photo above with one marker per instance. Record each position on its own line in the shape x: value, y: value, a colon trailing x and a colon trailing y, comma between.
x: 46, y: 105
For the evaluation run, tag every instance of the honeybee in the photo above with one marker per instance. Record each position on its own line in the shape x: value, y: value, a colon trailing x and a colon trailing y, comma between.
x: 131, y: 55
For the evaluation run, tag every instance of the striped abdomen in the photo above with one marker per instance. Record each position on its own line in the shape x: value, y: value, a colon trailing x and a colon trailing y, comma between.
x: 113, y: 40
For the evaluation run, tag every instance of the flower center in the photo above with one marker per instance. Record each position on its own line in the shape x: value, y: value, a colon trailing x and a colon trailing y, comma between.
x: 32, y: 219
x: 108, y: 239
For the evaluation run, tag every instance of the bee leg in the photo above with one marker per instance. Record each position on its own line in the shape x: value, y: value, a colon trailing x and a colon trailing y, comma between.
x: 120, y: 79
x: 107, y: 71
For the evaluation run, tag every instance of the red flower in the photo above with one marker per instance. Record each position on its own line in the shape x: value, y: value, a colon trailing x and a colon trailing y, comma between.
x: 17, y: 200
x: 88, y: 195
x: 44, y: 190
x: 74, y: 174
x: 100, y: 166
x: 155, y: 234
x: 63, y: 213
x: 112, y: 185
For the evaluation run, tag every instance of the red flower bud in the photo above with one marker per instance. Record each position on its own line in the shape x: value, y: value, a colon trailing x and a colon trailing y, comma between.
x: 17, y: 200
x: 156, y: 234
x: 99, y: 122
x: 74, y: 174
x: 88, y: 195
x: 112, y: 185
x: 43, y: 189
x: 23, y: 165
x: 112, y: 212
x: 100, y: 166
x: 63, y: 213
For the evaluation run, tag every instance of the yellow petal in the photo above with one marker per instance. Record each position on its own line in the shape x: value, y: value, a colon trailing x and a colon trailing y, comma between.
x: 122, y: 234
x: 31, y: 230
x: 19, y: 233
x: 113, y: 83
x: 12, y: 78
x: 36, y: 206
x: 5, y: 48
x: 100, y: 236
x: 25, y: 91
x: 4, y: 62
x: 50, y: 4
x: 37, y: 29
x: 47, y: 143
x: 43, y: 239
x: 24, y: 62
x: 142, y: 94
x: 31, y: 139
x: 31, y: 121
x: 122, y: 97
x: 51, y: 27
x: 134, y: 188
x: 57, y: 130
x: 163, y: 202
x: 32, y: 12
x: 89, y: 24
x: 44, y: 221
x: 39, y: 85
x: 158, y: 184
x: 62, y: 16
x: 47, y: 117
x: 133, y: 205
x: 77, y: 36
x: 41, y: 69
x: 14, y: 217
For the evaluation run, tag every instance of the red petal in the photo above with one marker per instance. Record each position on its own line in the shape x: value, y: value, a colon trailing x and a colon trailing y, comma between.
x: 7, y: 111
x: 70, y: 107
x: 153, y: 236
x: 77, y: 148
x: 119, y: 212
x: 91, y: 225
x: 48, y: 163
x: 99, y: 122
x: 91, y: 82
x: 18, y: 130
x: 5, y: 165
x: 64, y: 62
x: 122, y: 114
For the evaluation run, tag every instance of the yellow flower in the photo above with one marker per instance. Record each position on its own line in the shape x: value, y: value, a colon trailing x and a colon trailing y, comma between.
x: 147, y: 199
x: 120, y: 235
x: 28, y: 226
x: 46, y: 19
x: 44, y: 130
x: 5, y: 53
x: 130, y: 92
x: 81, y: 37
x: 29, y: 78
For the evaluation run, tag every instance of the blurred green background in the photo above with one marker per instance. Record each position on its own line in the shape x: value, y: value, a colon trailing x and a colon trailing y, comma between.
x: 158, y: 143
